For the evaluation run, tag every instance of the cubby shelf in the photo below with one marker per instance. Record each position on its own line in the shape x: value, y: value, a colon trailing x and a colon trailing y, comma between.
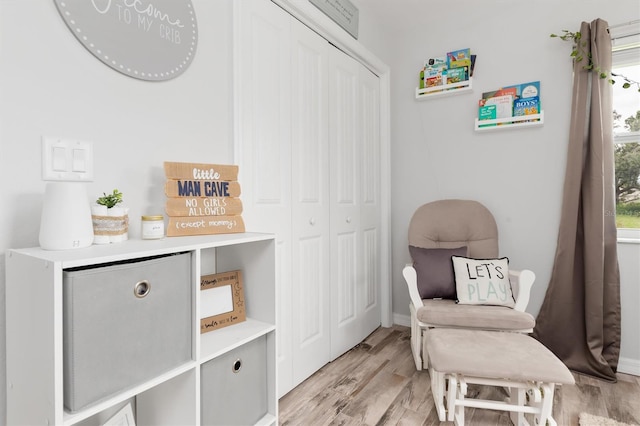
x: 37, y: 328
x: 519, y: 122
x: 444, y: 90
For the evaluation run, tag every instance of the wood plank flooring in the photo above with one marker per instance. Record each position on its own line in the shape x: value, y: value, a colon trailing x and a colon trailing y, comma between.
x: 376, y: 383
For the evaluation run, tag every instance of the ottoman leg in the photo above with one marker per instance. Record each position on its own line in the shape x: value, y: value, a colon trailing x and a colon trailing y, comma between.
x: 546, y: 405
x: 461, y: 392
x: 452, y: 389
x: 518, y: 397
x: 437, y: 391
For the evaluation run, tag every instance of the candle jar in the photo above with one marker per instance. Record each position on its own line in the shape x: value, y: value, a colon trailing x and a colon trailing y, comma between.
x: 152, y: 227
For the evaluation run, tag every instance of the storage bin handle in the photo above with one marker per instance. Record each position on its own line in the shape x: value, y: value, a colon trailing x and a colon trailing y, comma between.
x: 142, y: 288
x: 237, y: 365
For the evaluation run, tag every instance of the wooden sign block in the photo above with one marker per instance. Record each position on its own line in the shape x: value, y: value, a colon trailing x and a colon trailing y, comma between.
x: 200, y: 206
x: 200, y: 171
x: 201, y: 188
x: 221, y: 300
x: 204, y: 225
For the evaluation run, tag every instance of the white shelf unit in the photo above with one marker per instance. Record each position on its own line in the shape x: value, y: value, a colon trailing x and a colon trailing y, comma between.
x: 518, y: 122
x: 445, y: 90
x: 34, y: 320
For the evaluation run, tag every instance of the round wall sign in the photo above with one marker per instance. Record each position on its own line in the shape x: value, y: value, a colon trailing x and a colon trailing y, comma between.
x: 146, y: 39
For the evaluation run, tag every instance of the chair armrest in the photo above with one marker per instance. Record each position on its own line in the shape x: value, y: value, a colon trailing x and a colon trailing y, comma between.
x: 411, y: 278
x: 521, y: 282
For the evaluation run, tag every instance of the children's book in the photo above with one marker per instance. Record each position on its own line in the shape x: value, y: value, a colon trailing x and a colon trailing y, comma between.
x: 504, y: 105
x: 526, y: 90
x: 511, y: 91
x: 487, y: 112
x: 439, y: 63
x: 456, y: 75
x: 433, y: 69
x: 459, y: 58
x: 526, y: 106
x: 433, y: 81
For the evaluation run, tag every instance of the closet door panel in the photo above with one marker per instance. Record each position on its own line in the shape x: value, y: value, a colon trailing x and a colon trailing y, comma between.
x: 346, y: 254
x: 353, y: 122
x: 264, y: 148
x: 370, y: 208
x: 310, y: 189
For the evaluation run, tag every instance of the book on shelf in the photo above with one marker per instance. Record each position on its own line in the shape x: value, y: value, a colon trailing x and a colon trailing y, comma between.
x: 516, y: 100
x: 487, y: 112
x: 526, y: 106
x: 503, y: 104
x: 437, y: 64
x: 457, y: 75
x: 433, y: 81
x: 503, y: 91
x: 454, y: 67
x: 432, y: 72
x: 526, y: 90
x: 459, y: 58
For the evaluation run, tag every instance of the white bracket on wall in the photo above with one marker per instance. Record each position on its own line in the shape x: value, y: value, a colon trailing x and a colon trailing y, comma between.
x: 516, y: 122
x: 67, y: 160
x: 445, y: 90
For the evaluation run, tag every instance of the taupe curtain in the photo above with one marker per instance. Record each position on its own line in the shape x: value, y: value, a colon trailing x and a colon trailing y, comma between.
x: 580, y: 317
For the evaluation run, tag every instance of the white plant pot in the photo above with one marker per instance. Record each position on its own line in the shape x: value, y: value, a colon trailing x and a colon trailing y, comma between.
x: 110, y: 225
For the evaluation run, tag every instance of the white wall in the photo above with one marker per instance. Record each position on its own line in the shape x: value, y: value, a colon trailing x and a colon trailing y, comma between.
x: 629, y: 262
x: 517, y: 174
x: 51, y: 85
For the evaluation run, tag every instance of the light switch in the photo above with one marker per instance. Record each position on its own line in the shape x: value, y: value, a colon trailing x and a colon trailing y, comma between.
x: 67, y: 160
x: 78, y: 163
x: 59, y: 159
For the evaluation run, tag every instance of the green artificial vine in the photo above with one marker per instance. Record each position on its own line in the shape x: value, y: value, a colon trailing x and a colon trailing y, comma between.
x: 579, y: 53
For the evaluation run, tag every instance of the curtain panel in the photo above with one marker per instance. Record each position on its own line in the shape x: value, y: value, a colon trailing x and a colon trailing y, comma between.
x: 580, y: 317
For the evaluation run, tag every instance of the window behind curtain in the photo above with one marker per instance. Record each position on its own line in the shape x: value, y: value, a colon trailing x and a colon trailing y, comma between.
x: 626, y: 110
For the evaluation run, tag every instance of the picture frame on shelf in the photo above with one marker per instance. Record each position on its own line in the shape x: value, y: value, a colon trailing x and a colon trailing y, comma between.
x: 221, y: 300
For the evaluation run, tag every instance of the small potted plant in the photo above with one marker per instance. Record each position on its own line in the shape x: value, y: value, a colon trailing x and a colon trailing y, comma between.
x: 110, y: 221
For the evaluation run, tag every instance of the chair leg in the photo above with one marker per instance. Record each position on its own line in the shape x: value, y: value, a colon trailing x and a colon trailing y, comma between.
x: 416, y: 339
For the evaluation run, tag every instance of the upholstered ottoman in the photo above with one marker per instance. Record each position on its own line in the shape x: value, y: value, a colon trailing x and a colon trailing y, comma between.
x: 512, y: 360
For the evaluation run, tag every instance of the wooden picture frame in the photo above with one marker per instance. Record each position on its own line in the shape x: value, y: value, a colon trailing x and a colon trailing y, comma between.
x: 221, y: 300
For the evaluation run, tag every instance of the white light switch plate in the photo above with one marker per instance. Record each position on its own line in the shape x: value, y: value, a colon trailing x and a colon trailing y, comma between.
x: 67, y: 160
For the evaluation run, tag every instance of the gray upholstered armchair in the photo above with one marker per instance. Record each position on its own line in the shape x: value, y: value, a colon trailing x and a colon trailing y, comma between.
x: 469, y: 227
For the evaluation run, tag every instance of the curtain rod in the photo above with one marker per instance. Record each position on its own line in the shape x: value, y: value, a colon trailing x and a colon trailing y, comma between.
x: 624, y: 30
x: 624, y: 24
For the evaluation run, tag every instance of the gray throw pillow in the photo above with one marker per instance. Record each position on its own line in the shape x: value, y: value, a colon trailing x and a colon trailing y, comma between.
x: 435, y: 271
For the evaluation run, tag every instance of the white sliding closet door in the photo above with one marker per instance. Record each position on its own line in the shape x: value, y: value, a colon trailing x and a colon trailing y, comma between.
x: 310, y: 199
x: 370, y: 314
x: 263, y: 149
x: 355, y: 220
x: 307, y: 143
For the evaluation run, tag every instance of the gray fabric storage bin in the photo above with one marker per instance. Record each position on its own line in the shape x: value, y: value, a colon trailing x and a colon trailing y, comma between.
x: 115, y: 337
x: 230, y: 396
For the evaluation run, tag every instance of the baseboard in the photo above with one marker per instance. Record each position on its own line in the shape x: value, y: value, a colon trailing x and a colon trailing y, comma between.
x: 402, y: 319
x: 629, y: 366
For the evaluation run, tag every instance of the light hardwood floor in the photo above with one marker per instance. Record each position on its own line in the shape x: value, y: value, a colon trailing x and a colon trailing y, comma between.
x: 376, y: 383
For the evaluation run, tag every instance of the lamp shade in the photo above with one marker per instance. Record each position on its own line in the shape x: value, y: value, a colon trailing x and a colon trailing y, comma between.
x: 66, y: 217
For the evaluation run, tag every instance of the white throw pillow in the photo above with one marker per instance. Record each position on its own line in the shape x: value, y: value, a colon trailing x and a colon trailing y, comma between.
x: 483, y: 281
